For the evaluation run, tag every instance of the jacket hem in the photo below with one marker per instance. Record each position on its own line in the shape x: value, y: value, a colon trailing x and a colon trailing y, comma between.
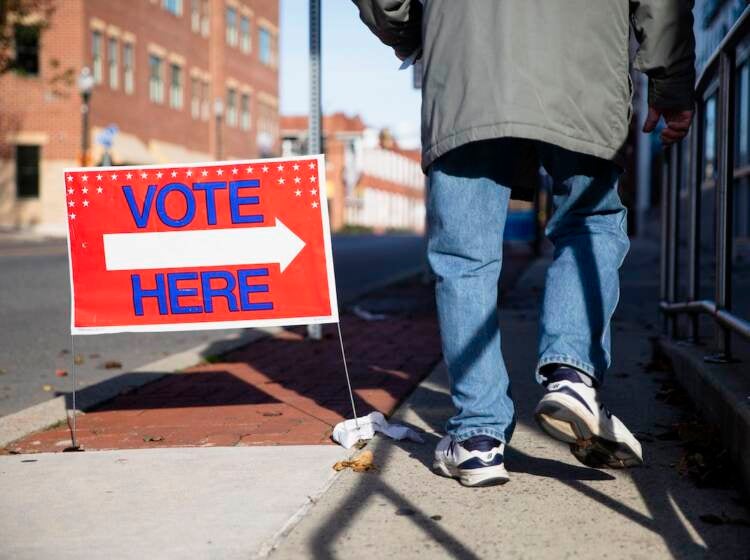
x: 519, y: 130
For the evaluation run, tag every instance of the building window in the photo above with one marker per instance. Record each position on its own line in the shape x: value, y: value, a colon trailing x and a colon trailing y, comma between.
x: 26, y: 44
x: 27, y: 171
x: 264, y: 46
x: 267, y: 129
x: 175, y: 87
x: 127, y: 67
x: 231, y: 107
x: 244, y: 34
x: 96, y: 56
x: 155, y: 80
x: 245, y: 111
x: 195, y: 15
x: 205, y: 107
x: 195, y: 98
x: 173, y: 6
x: 231, y: 26
x: 114, y: 74
x: 205, y: 18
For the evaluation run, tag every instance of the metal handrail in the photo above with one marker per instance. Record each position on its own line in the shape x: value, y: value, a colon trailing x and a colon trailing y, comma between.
x: 718, y: 76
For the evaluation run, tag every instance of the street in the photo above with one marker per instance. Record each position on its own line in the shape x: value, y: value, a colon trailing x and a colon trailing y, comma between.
x: 35, y: 304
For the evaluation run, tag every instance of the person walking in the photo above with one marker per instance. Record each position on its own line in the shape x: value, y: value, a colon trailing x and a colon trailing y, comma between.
x: 510, y: 85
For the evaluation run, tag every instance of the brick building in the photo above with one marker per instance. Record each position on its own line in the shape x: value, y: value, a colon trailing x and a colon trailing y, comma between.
x: 371, y: 181
x: 182, y: 80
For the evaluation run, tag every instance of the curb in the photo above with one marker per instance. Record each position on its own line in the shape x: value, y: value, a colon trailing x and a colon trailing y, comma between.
x: 722, y: 394
x: 48, y: 413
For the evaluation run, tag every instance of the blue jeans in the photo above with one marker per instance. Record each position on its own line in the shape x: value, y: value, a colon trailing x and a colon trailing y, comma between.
x: 467, y: 207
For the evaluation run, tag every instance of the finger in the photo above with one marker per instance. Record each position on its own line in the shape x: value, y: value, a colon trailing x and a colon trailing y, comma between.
x: 679, y: 125
x: 672, y: 133
x: 669, y: 136
x: 652, y: 119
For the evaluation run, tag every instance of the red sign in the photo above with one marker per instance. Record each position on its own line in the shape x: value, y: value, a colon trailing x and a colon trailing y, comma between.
x: 199, y: 246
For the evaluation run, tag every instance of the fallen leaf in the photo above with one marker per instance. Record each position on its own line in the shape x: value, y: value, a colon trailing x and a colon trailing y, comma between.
x: 93, y: 356
x: 436, y: 517
x: 2, y: 371
x: 111, y: 364
x: 361, y: 463
x: 272, y: 413
x: 153, y: 438
x: 47, y: 387
x: 78, y: 359
x: 61, y: 373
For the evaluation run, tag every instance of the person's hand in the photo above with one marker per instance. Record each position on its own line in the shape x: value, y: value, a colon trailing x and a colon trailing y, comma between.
x: 677, y: 121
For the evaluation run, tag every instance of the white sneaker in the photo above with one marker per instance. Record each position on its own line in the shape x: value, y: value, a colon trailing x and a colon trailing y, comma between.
x: 477, y: 461
x: 571, y: 412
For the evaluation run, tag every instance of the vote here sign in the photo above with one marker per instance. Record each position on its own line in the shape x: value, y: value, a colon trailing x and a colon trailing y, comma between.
x: 199, y: 246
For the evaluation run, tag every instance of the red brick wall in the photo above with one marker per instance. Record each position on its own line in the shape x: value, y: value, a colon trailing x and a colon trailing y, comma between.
x: 29, y: 105
x: 33, y: 104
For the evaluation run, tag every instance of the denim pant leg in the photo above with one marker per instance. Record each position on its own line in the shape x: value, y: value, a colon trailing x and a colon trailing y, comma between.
x: 466, y: 213
x: 588, y: 230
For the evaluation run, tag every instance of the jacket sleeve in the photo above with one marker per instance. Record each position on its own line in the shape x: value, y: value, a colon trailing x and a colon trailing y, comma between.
x: 666, y: 53
x: 397, y: 23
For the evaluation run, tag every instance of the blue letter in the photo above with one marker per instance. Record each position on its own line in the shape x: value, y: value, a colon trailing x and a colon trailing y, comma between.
x: 209, y: 293
x: 175, y: 293
x: 139, y: 293
x: 246, y: 289
x: 210, y: 198
x: 140, y: 218
x: 189, y: 205
x: 235, y: 201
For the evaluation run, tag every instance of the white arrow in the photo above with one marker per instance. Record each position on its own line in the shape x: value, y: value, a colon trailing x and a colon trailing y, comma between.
x: 208, y: 247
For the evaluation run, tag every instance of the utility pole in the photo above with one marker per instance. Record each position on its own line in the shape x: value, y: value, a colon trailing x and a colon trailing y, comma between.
x: 315, y: 332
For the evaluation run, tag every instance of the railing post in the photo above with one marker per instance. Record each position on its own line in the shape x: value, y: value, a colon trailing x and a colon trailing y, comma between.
x: 665, y: 214
x: 694, y: 236
x: 674, y: 155
x: 724, y: 201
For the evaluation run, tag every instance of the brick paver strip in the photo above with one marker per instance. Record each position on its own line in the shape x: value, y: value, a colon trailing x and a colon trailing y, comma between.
x: 280, y: 390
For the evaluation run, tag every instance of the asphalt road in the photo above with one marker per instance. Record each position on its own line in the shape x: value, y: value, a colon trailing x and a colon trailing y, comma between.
x: 35, y: 315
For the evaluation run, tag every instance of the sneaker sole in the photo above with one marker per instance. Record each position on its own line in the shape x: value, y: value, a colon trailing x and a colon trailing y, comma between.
x: 561, y: 421
x: 486, y: 476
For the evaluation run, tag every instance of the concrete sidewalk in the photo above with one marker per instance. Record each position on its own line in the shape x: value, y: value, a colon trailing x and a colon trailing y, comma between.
x: 553, y: 507
x: 225, y: 503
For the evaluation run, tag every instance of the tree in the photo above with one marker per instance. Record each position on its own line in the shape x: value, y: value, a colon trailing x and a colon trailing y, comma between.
x: 21, y: 21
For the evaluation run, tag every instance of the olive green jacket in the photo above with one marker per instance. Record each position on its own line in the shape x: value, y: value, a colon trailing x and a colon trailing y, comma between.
x: 549, y: 70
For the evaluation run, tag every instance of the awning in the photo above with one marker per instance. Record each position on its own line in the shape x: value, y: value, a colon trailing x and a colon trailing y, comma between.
x: 166, y: 152
x: 127, y: 149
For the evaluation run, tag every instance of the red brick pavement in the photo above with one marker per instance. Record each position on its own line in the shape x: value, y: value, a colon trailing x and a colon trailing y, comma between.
x: 280, y: 390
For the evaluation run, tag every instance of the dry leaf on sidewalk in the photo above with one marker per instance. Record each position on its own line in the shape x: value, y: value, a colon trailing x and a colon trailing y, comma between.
x: 361, y: 463
x: 111, y: 364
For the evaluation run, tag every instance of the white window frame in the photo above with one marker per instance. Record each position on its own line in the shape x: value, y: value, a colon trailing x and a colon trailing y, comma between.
x: 97, y: 47
x: 245, y: 112
x: 232, y: 33
x: 156, y: 83
x: 176, y: 92
x: 113, y: 62
x: 232, y: 109
x: 128, y: 67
